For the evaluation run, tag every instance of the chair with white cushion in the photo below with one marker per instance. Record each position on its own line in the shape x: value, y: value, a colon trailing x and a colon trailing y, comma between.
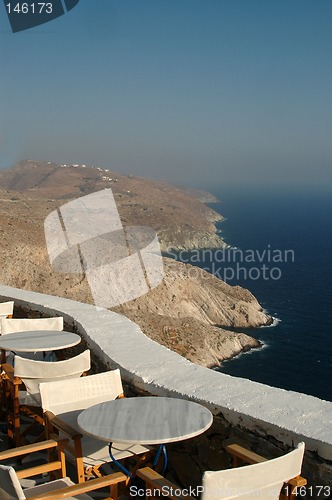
x: 273, y: 479
x: 19, y: 325
x: 11, y: 488
x: 32, y: 373
x: 62, y: 402
x: 27, y: 325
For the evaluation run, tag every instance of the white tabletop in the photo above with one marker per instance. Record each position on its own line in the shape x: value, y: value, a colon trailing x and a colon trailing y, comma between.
x: 145, y: 420
x: 38, y: 340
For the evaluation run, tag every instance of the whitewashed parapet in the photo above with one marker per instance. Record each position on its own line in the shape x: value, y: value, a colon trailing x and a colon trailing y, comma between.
x: 288, y: 416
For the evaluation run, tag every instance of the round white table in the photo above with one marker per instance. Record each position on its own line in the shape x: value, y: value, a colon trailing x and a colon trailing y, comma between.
x: 38, y: 341
x: 146, y: 421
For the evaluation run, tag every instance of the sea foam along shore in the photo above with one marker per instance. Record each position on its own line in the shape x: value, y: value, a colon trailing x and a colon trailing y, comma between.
x: 221, y: 343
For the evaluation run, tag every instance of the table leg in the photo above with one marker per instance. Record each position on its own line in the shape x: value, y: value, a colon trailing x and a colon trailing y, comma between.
x: 161, y: 449
x: 13, y: 360
x: 50, y: 356
x: 121, y: 467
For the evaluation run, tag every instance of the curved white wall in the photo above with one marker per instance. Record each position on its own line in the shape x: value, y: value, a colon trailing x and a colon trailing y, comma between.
x: 288, y: 416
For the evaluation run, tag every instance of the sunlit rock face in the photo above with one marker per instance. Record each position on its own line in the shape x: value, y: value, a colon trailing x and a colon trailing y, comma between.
x: 186, y: 312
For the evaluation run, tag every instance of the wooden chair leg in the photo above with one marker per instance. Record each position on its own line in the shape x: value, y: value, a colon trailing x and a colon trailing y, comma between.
x: 13, y: 413
x: 79, y: 460
x: 2, y: 398
x: 3, y: 404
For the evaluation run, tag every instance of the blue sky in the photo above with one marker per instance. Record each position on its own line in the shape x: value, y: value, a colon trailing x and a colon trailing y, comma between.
x: 198, y: 92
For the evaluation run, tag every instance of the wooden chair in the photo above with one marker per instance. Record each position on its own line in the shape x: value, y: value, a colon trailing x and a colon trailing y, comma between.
x: 11, y: 489
x: 242, y: 455
x: 18, y: 325
x: 271, y: 479
x: 32, y: 373
x: 62, y: 402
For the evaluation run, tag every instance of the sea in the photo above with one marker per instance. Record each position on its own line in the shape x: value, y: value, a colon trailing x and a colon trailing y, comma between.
x: 280, y: 248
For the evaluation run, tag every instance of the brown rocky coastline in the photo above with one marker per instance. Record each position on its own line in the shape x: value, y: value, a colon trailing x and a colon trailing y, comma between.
x: 186, y: 312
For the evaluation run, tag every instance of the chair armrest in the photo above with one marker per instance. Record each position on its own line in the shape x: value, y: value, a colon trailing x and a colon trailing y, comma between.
x: 50, y: 466
x: 240, y: 453
x: 31, y: 448
x: 157, y: 482
x: 92, y: 484
x: 62, y: 426
x: 297, y: 481
x: 8, y: 369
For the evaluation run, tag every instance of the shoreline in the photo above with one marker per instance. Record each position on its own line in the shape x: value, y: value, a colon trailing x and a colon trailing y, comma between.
x: 219, y: 244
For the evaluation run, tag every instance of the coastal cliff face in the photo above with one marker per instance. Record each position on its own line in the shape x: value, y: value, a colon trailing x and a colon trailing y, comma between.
x: 186, y: 312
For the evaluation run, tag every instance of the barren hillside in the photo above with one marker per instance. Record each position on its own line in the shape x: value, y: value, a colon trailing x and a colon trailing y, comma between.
x: 186, y: 312
x: 180, y: 217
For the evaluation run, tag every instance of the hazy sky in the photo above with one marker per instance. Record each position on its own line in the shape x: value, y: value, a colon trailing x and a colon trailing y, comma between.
x: 201, y: 92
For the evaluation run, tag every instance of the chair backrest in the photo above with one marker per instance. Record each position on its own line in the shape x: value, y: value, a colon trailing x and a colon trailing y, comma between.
x: 262, y: 480
x: 78, y: 394
x: 33, y: 372
x: 6, y: 308
x: 10, y: 488
x: 24, y: 324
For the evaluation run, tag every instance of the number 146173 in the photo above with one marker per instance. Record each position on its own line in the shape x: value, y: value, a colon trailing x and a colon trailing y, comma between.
x: 30, y: 8
x: 312, y: 491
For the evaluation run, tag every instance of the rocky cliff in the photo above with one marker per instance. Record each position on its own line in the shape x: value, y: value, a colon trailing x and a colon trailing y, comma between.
x: 186, y: 312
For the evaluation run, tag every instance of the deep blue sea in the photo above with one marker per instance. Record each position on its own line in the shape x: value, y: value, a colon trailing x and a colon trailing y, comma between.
x: 295, y: 230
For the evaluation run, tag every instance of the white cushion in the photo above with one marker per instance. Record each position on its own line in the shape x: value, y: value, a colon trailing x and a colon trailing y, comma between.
x: 27, y: 324
x: 33, y: 373
x: 261, y: 480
